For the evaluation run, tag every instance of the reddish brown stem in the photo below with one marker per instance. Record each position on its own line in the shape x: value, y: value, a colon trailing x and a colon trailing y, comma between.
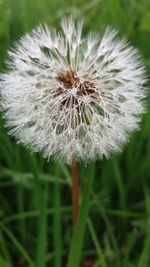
x: 75, y: 190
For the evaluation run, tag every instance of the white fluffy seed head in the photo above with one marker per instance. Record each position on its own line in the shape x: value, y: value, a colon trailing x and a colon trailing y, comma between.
x: 66, y: 95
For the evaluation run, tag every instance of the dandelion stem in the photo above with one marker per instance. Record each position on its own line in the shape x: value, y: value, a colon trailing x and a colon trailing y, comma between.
x: 75, y: 190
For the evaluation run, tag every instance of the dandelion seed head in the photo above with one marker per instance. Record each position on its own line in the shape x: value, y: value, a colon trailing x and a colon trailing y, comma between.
x: 68, y: 95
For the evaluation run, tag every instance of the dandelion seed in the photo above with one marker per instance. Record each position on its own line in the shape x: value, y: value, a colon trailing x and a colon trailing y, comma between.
x: 66, y: 95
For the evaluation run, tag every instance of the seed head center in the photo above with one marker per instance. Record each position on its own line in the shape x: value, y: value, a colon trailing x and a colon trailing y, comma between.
x: 69, y: 78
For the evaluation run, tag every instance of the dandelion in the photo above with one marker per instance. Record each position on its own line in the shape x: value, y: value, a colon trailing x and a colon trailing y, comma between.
x: 66, y: 95
x: 72, y: 97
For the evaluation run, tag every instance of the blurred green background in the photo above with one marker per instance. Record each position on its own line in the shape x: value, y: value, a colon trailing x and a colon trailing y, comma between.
x: 35, y: 196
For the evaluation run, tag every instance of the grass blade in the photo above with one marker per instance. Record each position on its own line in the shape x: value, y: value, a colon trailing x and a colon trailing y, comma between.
x: 57, y: 223
x: 101, y: 260
x: 17, y: 245
x: 78, y: 236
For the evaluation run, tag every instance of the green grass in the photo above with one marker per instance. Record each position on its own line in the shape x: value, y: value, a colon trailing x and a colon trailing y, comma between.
x: 35, y: 196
